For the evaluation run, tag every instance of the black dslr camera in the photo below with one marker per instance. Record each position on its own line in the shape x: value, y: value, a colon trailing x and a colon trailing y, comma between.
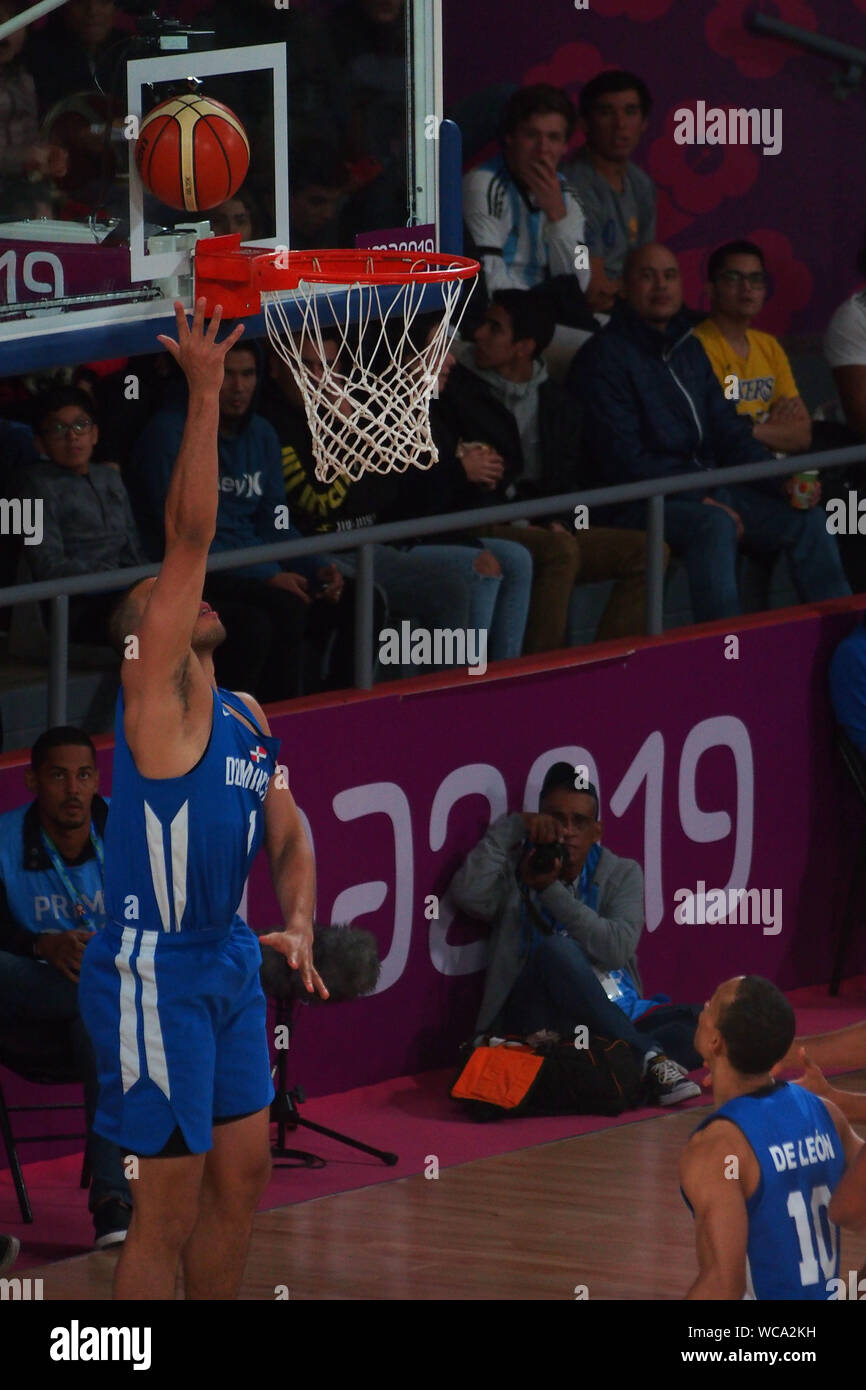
x: 544, y: 857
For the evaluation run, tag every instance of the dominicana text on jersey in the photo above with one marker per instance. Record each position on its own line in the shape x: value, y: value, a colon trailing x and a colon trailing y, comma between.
x: 178, y: 850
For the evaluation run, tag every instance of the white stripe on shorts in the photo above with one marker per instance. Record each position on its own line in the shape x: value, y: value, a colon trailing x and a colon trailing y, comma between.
x: 128, y: 1029
x: 154, y: 1049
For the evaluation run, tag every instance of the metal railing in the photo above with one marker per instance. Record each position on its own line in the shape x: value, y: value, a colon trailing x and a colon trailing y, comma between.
x: 653, y: 491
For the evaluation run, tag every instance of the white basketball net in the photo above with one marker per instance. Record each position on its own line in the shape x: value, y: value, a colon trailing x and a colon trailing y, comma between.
x: 368, y: 409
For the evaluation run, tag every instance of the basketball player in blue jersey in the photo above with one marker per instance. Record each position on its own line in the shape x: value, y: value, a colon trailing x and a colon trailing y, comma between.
x: 170, y: 990
x: 759, y: 1173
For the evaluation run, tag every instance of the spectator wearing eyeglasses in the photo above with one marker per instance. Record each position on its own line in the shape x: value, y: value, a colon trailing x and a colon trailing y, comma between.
x: 653, y: 408
x: 87, y: 520
x: 767, y: 393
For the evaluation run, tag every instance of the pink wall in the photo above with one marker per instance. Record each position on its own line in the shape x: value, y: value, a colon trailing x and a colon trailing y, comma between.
x: 709, y: 768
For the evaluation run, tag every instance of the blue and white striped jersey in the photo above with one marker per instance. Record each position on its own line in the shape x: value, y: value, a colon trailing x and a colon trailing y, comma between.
x: 178, y: 849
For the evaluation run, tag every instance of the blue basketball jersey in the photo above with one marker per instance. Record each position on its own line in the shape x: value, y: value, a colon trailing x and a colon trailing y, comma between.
x: 178, y: 850
x: 793, y: 1247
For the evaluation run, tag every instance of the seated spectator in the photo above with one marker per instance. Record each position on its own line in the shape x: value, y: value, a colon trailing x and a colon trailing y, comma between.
x: 88, y: 525
x: 21, y: 150
x: 311, y: 596
x: 653, y: 409
x: 29, y: 196
x: 51, y: 903
x: 502, y: 395
x: 524, y: 221
x: 313, y: 83
x: 317, y: 188
x: 17, y: 450
x: 238, y: 215
x: 369, y: 39
x: 618, y: 198
x: 847, y: 677
x: 563, y: 941
x: 767, y: 392
x: 845, y: 351
x: 72, y: 50
x: 434, y: 583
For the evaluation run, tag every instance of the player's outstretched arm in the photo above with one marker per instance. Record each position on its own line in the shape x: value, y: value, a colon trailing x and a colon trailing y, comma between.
x: 293, y: 874
x: 851, y: 1103
x: 191, y: 506
x: 844, y: 1047
x: 709, y: 1177
x: 848, y: 1203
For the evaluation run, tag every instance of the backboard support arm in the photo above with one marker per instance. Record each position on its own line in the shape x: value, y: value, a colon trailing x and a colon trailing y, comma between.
x: 21, y: 21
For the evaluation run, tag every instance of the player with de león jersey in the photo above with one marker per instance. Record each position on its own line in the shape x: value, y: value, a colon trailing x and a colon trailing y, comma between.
x: 760, y: 1171
x: 170, y: 989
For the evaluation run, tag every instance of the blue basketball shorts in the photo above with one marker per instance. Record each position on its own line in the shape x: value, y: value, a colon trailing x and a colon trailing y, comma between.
x: 178, y: 1028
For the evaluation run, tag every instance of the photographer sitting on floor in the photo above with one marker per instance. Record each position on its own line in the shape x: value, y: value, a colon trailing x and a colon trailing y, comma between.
x: 564, y: 931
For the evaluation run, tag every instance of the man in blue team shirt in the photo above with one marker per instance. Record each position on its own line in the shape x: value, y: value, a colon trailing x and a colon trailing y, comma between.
x: 170, y: 989
x: 51, y: 902
x: 759, y: 1173
x: 847, y: 677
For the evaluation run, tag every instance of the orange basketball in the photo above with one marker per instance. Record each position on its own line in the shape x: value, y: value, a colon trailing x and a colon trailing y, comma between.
x: 192, y: 152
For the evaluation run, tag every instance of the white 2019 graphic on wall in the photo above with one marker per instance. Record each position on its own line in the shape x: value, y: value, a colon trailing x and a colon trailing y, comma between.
x: 646, y: 769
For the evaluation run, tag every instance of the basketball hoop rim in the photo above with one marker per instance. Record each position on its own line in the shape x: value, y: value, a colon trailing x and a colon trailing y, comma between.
x: 237, y: 276
x: 373, y: 267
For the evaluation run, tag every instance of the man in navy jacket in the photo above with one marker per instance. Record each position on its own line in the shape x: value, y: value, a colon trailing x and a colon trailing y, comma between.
x: 654, y: 408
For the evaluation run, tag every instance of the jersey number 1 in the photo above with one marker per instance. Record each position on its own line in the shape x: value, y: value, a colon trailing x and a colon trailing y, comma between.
x: 808, y: 1263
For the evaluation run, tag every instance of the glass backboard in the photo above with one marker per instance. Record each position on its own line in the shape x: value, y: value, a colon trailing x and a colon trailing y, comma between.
x: 341, y: 103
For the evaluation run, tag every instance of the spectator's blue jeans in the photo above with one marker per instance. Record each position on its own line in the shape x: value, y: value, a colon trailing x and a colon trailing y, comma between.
x: 508, y: 622
x: 30, y: 991
x: 706, y: 538
x: 558, y: 989
x: 437, y: 586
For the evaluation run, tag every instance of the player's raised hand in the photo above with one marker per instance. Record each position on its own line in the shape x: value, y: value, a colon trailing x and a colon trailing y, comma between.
x: 296, y: 945
x: 813, y: 1079
x: 196, y: 349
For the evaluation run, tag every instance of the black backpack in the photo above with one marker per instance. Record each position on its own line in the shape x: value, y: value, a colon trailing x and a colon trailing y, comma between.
x: 554, y: 1078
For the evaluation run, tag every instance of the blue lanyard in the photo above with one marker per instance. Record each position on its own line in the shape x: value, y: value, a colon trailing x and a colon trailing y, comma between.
x: 60, y: 869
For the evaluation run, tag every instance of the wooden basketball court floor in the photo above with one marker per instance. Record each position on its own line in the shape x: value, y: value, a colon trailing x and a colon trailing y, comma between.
x: 601, y: 1212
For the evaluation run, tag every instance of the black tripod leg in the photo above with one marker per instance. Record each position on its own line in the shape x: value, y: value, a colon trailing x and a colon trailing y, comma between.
x: 388, y: 1158
x: 846, y: 930
x: 15, y: 1164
